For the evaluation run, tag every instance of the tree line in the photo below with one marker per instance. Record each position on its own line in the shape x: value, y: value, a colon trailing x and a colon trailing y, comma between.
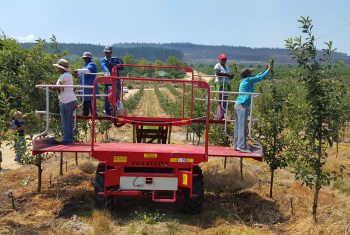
x: 148, y: 53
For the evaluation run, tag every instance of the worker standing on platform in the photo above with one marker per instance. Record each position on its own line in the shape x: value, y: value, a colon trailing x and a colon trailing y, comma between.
x: 89, y: 80
x: 242, y: 105
x: 106, y: 65
x: 68, y: 101
x: 19, y: 128
x: 222, y: 83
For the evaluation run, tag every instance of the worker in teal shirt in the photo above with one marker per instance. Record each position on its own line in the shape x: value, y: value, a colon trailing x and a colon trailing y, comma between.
x: 107, y: 65
x: 242, y: 105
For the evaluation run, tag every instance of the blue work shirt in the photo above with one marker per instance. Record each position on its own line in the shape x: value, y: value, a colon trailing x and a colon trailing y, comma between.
x: 17, y: 124
x: 105, y: 67
x: 247, y: 85
x: 89, y: 80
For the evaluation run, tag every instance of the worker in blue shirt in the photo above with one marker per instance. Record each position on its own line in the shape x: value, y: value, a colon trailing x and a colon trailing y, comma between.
x: 242, y: 105
x: 89, y: 80
x: 106, y: 65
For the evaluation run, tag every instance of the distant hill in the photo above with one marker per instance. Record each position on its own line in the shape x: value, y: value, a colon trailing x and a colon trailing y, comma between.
x: 188, y: 52
x: 149, y: 53
x: 206, y: 54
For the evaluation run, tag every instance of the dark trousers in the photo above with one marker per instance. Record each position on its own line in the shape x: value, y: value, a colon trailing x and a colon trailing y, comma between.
x: 87, y: 108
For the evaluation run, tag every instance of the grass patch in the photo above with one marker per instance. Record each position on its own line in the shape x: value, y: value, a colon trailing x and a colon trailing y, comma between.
x: 342, y: 186
x: 173, y: 227
x: 85, y: 214
x: 101, y: 221
x: 132, y: 228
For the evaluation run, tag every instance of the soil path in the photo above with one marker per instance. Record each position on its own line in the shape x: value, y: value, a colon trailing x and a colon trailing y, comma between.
x: 189, y: 77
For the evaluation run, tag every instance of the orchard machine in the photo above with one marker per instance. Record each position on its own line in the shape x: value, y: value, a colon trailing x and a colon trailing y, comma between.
x: 163, y: 171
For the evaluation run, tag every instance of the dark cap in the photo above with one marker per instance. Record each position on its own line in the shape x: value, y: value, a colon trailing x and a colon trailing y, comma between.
x: 246, y: 71
x: 107, y: 49
x: 87, y: 54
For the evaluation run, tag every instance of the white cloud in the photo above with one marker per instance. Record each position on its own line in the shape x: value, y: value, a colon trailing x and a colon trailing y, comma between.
x: 29, y: 38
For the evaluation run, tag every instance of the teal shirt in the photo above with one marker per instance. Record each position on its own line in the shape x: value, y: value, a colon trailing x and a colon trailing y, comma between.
x: 247, y: 85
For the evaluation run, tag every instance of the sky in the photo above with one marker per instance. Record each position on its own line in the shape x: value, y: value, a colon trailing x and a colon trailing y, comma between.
x: 250, y: 23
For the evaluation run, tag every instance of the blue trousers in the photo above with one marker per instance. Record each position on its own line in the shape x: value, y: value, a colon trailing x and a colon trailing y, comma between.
x: 20, y: 145
x: 241, y: 120
x: 67, y: 111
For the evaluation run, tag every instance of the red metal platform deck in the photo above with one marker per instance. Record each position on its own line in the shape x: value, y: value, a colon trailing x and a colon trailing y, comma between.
x: 138, y: 148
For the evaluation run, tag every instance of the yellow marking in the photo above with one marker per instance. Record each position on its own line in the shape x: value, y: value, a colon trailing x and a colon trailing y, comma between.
x: 120, y: 159
x: 183, y: 121
x: 150, y: 155
x: 120, y: 119
x: 189, y: 159
x: 173, y: 159
x: 184, y: 179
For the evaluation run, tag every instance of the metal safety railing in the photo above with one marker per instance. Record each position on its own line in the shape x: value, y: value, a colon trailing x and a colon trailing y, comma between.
x: 227, y: 113
x: 47, y: 111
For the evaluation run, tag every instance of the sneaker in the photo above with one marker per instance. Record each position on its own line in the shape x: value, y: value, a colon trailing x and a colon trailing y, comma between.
x: 244, y: 150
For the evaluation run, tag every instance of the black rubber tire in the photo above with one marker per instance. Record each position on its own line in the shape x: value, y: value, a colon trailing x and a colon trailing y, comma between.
x: 195, y: 204
x: 99, y: 200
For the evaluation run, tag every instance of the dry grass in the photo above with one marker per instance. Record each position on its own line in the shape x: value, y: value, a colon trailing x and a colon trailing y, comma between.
x: 88, y: 167
x: 232, y: 205
x: 101, y: 221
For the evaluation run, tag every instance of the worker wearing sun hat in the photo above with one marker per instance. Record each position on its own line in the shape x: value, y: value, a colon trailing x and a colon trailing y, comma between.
x: 222, y: 83
x: 242, y: 105
x: 107, y: 65
x: 68, y: 101
x: 19, y: 127
x: 89, y: 80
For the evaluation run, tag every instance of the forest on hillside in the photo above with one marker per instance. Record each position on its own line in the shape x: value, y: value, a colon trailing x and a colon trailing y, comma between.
x: 149, y: 53
x: 188, y: 52
x: 206, y: 54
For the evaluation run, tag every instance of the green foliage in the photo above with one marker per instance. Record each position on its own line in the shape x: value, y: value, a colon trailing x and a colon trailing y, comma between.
x: 132, y: 102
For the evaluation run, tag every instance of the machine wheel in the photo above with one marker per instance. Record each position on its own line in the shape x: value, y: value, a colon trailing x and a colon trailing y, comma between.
x: 99, y: 200
x: 195, y: 204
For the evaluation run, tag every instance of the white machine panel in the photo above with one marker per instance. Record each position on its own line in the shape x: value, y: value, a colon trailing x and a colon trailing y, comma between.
x: 139, y: 183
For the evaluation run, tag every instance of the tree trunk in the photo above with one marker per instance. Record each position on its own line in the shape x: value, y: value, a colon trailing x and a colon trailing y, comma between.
x: 193, y: 139
x: 271, y: 185
x: 199, y: 139
x: 39, y: 177
x: 314, y: 208
x: 76, y: 158
x: 61, y: 163
x: 241, y: 167
x: 318, y: 176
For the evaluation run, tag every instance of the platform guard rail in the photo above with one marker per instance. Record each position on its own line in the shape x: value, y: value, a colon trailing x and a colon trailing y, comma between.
x: 193, y: 83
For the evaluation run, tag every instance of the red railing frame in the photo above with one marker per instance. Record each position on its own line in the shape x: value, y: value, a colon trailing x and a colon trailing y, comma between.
x: 187, y: 70
x: 113, y: 81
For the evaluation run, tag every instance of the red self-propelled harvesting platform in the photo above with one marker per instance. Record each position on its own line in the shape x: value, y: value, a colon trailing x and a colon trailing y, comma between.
x: 162, y: 171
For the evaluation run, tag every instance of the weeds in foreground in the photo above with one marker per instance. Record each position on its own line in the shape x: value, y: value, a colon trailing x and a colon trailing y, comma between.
x: 150, y: 218
x: 24, y: 182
